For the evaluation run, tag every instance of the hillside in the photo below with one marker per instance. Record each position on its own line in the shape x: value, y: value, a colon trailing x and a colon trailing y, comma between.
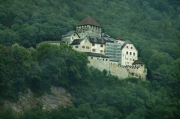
x: 152, y: 25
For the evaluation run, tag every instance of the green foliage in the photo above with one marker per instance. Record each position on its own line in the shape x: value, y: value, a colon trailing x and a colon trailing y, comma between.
x: 7, y: 114
x: 152, y: 25
x: 15, y: 64
x: 96, y: 94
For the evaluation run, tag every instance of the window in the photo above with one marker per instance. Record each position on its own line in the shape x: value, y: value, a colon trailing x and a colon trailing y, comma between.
x: 94, y: 50
x: 131, y: 47
x: 87, y: 47
x: 130, y: 53
x: 126, y: 46
x: 74, y: 34
x: 83, y: 46
x: 134, y: 54
x: 101, y: 51
x: 76, y: 46
x: 91, y: 57
x: 93, y: 44
x: 106, y: 59
x: 127, y: 53
x: 101, y: 45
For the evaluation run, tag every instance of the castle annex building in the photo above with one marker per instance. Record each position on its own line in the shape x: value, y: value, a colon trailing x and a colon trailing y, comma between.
x: 118, y: 56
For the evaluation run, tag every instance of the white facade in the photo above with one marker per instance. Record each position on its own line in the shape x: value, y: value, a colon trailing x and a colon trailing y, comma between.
x: 86, y: 46
x: 98, y: 48
x: 69, y: 37
x: 129, y: 54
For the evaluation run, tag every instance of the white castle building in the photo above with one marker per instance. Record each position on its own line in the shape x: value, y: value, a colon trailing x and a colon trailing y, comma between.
x: 117, y: 56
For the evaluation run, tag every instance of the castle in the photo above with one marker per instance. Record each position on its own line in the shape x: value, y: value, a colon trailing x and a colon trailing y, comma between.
x: 118, y: 56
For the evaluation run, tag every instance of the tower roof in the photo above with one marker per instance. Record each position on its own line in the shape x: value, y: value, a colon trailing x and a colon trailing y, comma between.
x: 138, y: 62
x: 89, y: 21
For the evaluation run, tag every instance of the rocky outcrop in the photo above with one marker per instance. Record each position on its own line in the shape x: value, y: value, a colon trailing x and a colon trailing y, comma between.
x: 58, y: 97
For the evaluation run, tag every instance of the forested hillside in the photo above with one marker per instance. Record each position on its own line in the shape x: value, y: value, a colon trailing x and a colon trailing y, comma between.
x: 152, y: 25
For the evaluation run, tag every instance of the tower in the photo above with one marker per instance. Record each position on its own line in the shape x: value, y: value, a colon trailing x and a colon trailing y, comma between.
x: 88, y: 27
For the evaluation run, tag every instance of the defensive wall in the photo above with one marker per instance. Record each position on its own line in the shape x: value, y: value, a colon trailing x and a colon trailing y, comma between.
x: 118, y: 70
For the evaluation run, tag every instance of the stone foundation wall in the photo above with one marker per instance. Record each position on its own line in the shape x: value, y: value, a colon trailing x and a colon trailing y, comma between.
x: 112, y: 67
x: 118, y: 70
x: 99, y: 63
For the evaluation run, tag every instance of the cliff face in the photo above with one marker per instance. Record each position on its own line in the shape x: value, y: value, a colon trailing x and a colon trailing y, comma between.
x: 58, y: 97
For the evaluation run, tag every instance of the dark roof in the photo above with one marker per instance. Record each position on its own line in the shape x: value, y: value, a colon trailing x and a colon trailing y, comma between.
x: 96, y: 55
x: 105, y: 35
x: 108, y: 39
x: 89, y: 21
x: 76, y: 42
x: 137, y: 62
x: 68, y: 34
x: 125, y: 43
x: 97, y: 40
x: 119, y: 37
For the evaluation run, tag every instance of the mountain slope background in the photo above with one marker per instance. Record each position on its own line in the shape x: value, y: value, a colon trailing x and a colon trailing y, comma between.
x: 152, y: 25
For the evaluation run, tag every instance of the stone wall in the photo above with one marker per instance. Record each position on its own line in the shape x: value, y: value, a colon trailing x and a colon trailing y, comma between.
x: 140, y: 72
x: 118, y: 70
x: 99, y: 63
x: 112, y: 67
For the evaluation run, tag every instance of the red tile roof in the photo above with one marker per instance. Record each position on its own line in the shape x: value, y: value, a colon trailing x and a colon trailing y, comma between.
x: 89, y: 21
